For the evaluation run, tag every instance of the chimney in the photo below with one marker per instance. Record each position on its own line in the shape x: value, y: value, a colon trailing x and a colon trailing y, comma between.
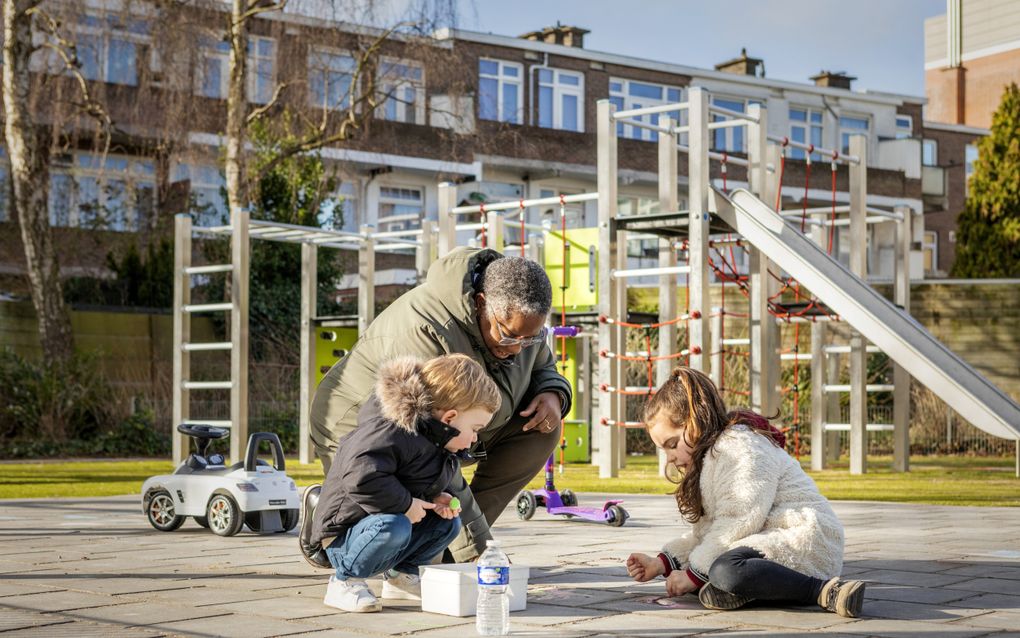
x: 560, y: 34
x: 743, y: 65
x: 833, y: 79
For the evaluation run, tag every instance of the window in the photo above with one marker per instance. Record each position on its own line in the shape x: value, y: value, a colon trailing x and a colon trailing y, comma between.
x: 561, y: 100
x: 970, y: 155
x: 500, y: 94
x: 627, y: 94
x: 112, y: 193
x: 214, y: 69
x: 806, y: 128
x: 340, y: 212
x: 209, y: 204
x: 730, y: 140
x: 930, y: 153
x: 904, y: 127
x: 400, y: 208
x: 851, y: 125
x: 330, y: 74
x: 108, y: 47
x: 402, y: 86
x: 930, y: 246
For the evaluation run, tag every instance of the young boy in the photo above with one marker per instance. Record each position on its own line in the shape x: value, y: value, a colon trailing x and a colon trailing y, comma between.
x: 383, y: 507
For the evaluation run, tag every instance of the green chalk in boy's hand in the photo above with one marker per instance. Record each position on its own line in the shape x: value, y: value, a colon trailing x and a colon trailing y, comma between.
x: 455, y: 503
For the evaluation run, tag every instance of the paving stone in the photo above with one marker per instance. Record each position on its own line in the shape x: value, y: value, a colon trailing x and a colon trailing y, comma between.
x: 143, y: 613
x: 244, y: 626
x: 992, y: 586
x: 662, y: 623
x: 930, y: 596
x: 12, y: 618
x: 11, y: 588
x: 920, y: 579
x: 997, y: 620
x: 889, y: 628
x: 571, y: 596
x: 392, y: 622
x: 806, y: 618
x: 915, y: 611
x: 62, y: 601
x: 84, y: 629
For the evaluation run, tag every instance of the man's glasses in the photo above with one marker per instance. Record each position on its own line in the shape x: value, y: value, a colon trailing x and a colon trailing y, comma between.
x: 506, y: 340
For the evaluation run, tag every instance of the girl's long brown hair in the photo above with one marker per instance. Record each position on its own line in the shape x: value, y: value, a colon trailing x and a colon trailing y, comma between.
x: 693, y: 404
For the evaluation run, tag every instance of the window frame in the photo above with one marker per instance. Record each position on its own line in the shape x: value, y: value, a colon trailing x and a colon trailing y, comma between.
x: 559, y: 91
x: 624, y: 100
x: 194, y: 173
x: 402, y: 107
x: 502, y: 80
x: 138, y: 172
x: 405, y: 221
x: 730, y: 134
x: 844, y: 148
x: 909, y: 129
x: 930, y: 248
x: 219, y: 51
x: 346, y: 100
x: 809, y: 126
x: 933, y: 144
x: 109, y: 27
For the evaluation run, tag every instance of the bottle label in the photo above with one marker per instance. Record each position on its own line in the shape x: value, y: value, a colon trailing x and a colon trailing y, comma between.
x: 493, y: 575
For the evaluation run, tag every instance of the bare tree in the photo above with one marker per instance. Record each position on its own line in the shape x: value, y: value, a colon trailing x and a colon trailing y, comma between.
x: 29, y: 149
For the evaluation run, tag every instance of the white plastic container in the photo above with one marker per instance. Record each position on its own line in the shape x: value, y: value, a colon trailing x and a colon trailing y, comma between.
x: 452, y: 590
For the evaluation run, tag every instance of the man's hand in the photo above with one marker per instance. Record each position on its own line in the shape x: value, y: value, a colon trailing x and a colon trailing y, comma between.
x: 679, y: 583
x: 642, y: 567
x: 418, y: 510
x: 443, y: 506
x: 545, y: 410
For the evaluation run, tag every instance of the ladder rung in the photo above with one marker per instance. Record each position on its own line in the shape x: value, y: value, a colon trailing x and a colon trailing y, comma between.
x: 795, y: 356
x: 207, y: 385
x: 846, y: 349
x: 870, y: 427
x: 202, y: 270
x: 871, y: 387
x: 208, y: 307
x: 214, y: 423
x: 209, y: 345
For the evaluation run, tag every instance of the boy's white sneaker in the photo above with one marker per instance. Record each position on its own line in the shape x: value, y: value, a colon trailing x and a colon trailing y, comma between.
x: 351, y: 595
x: 401, y: 586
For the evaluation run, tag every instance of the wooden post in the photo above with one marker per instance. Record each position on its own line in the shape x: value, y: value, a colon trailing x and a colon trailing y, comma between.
x: 763, y: 363
x: 425, y: 256
x: 366, y: 279
x: 901, y: 378
x: 610, y: 406
x: 182, y: 334
x: 240, y: 257
x: 698, y: 177
x: 668, y: 284
x: 447, y: 221
x: 309, y: 298
x: 818, y: 404
x: 858, y: 344
x: 495, y: 235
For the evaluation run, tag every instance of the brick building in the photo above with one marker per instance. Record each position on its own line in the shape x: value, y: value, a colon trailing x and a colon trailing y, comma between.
x: 520, y: 124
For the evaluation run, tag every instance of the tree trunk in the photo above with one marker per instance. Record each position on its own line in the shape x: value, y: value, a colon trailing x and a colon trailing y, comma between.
x: 30, y: 177
x: 237, y: 103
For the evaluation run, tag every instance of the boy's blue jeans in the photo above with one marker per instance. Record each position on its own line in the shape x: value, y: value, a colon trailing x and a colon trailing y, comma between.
x: 389, y: 541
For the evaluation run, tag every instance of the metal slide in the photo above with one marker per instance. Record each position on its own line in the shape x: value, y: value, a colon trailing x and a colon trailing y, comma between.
x: 894, y: 331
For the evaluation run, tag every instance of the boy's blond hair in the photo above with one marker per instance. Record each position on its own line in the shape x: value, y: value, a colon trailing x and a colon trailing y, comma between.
x: 458, y: 382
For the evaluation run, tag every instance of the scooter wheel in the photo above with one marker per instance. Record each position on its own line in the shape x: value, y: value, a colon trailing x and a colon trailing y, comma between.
x: 224, y: 516
x: 161, y: 512
x: 526, y: 505
x: 568, y: 497
x: 618, y: 516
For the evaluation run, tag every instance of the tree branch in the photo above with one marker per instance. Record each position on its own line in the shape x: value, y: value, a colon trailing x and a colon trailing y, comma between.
x: 265, y: 108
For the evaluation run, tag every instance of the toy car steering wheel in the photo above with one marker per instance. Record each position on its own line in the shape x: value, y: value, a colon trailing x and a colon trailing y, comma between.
x: 202, y: 431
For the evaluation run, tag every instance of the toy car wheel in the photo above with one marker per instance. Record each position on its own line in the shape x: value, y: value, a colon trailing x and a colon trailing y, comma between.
x: 568, y: 497
x: 289, y: 518
x: 224, y: 516
x: 526, y: 505
x: 203, y: 521
x: 162, y: 513
x: 254, y: 521
x: 617, y: 516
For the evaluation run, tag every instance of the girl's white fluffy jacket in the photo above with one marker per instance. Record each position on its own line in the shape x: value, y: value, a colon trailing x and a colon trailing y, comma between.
x: 756, y: 495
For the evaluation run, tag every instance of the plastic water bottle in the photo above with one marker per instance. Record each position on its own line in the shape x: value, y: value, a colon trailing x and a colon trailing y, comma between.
x: 493, y: 616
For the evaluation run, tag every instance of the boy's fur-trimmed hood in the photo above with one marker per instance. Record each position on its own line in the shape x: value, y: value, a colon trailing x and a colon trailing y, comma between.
x: 403, y: 397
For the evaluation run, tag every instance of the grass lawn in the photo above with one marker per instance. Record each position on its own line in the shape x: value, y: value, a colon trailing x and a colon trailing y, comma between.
x: 934, y: 480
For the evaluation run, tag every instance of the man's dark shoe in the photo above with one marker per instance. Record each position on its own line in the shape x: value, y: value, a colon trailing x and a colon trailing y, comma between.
x: 313, y: 553
x: 714, y: 598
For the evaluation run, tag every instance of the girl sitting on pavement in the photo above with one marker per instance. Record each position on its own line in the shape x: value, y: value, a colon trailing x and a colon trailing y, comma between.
x: 761, y: 530
x: 385, y: 506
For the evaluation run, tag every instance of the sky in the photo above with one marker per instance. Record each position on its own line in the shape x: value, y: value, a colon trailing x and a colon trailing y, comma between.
x: 881, y: 42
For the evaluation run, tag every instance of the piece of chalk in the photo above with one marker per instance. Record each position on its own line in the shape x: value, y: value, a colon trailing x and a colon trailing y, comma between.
x: 455, y: 503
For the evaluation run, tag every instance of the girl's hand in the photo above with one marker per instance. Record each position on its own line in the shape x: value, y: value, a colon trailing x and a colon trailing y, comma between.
x: 679, y: 583
x: 443, y: 506
x: 642, y: 567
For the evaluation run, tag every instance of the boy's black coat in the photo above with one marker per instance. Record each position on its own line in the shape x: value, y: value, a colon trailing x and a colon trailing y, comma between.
x: 379, y: 467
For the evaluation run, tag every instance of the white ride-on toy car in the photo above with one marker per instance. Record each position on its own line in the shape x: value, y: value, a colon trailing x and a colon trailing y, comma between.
x: 221, y: 498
